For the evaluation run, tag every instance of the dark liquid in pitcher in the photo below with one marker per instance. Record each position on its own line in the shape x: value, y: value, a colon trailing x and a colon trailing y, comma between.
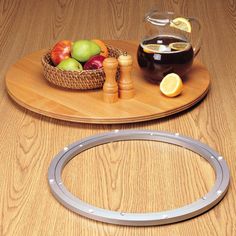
x: 156, y: 64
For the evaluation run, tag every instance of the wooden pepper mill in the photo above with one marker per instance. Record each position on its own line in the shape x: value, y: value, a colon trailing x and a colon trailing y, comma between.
x: 126, y: 86
x: 110, y: 87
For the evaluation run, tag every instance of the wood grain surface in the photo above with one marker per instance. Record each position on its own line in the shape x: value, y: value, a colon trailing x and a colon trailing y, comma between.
x: 131, y: 176
x: 27, y: 86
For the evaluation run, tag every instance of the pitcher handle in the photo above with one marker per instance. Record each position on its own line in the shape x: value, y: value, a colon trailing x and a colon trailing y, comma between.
x: 197, y: 46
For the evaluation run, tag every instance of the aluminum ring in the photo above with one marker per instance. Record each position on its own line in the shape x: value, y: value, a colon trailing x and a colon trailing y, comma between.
x: 203, y: 204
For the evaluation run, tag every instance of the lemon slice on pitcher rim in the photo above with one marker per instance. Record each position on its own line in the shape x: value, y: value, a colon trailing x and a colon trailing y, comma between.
x: 179, y: 46
x: 171, y: 85
x: 181, y: 24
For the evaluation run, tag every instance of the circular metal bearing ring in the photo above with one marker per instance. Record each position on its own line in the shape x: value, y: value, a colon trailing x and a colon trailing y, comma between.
x: 139, y: 219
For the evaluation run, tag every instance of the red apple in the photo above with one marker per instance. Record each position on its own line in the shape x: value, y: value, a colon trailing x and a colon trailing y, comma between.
x: 94, y: 62
x: 61, y: 51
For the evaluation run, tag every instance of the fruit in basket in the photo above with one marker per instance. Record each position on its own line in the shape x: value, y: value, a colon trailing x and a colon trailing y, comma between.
x: 61, y: 51
x: 94, y: 62
x: 103, y: 47
x: 94, y: 48
x: 70, y: 64
x: 83, y: 50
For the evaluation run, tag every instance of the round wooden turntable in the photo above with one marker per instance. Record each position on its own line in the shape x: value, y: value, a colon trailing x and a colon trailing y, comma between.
x: 26, y: 85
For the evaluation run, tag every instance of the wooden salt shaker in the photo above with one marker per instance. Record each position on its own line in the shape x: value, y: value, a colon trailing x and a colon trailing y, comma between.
x: 110, y: 87
x: 126, y: 86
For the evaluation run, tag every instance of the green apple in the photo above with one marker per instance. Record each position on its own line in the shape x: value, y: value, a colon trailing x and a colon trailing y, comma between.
x: 82, y: 50
x: 70, y: 64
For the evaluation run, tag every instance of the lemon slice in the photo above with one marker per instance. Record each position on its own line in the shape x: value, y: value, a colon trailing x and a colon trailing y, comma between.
x: 179, y: 46
x: 181, y: 23
x: 151, y: 48
x: 171, y: 85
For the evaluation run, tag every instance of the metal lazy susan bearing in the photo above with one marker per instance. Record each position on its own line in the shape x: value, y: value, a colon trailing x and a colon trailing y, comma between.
x: 73, y: 203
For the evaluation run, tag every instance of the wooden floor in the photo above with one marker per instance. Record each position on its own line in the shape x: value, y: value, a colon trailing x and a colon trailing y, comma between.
x: 129, y: 176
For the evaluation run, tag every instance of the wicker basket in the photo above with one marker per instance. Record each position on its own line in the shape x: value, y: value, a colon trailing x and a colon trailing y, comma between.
x: 83, y: 80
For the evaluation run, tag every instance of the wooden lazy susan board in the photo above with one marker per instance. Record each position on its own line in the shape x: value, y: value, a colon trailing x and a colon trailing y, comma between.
x: 26, y: 85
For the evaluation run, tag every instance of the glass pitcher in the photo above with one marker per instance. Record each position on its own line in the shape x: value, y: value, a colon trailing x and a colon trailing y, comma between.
x: 169, y: 45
